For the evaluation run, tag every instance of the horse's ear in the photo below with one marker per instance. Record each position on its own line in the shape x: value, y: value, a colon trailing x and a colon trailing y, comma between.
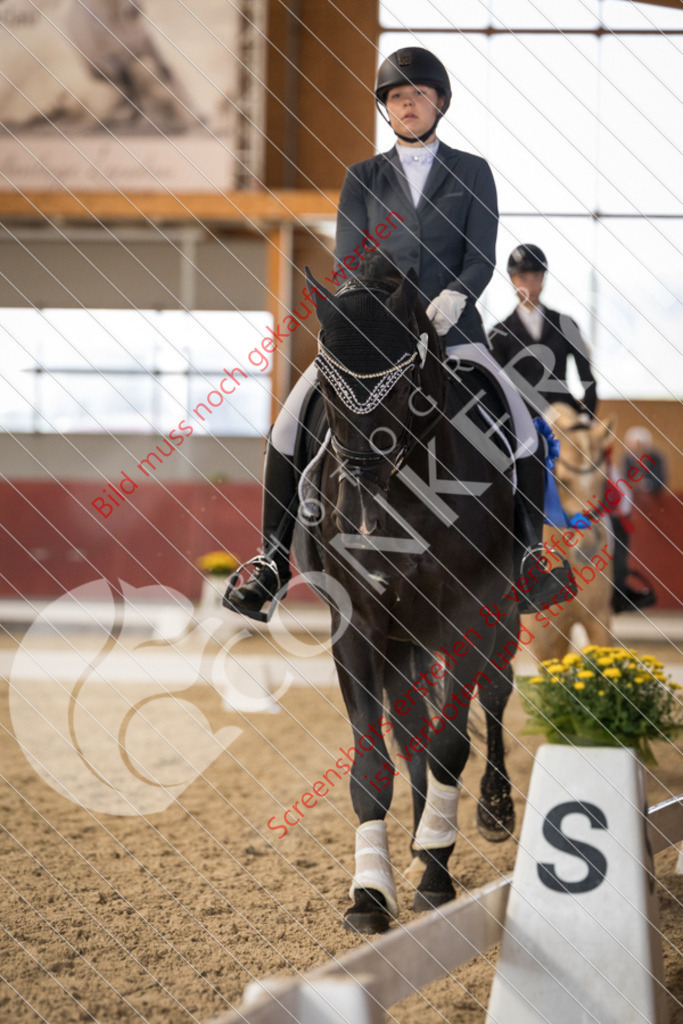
x: 320, y: 290
x: 403, y: 301
x: 603, y: 431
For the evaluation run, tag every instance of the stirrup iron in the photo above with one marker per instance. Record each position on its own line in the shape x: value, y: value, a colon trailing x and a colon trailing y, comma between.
x: 259, y: 561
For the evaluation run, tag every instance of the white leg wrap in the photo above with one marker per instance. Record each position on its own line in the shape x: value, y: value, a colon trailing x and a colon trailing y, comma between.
x: 373, y: 867
x: 439, y: 822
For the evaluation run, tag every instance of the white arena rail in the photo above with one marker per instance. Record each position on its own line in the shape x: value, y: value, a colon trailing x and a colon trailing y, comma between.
x: 361, y: 986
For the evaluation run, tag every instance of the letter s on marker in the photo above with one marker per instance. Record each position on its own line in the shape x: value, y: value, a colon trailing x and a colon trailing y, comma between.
x: 594, y: 859
x: 274, y: 828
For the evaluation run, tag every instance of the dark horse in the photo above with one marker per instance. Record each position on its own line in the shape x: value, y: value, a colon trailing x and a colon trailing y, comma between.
x: 414, y: 522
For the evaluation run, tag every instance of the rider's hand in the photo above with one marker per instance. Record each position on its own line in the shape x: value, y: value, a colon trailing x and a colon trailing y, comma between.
x: 445, y: 309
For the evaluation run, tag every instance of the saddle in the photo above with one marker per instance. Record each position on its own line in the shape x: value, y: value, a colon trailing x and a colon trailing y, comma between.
x: 491, y: 412
x: 477, y: 370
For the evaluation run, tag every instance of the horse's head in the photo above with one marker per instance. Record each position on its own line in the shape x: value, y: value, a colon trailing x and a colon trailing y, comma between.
x: 581, y: 469
x: 376, y: 351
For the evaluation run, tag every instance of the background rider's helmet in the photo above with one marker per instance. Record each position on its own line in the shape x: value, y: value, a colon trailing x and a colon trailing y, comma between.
x: 524, y: 258
x: 413, y: 66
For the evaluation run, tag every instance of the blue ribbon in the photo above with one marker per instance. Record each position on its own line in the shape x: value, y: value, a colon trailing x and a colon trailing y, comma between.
x: 554, y: 514
x: 579, y: 521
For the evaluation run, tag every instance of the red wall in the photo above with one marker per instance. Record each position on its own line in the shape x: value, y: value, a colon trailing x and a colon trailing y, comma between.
x: 53, y: 539
x: 656, y: 545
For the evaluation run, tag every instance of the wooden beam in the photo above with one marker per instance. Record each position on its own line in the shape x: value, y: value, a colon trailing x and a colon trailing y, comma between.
x: 279, y: 304
x: 399, y: 963
x: 277, y: 206
x: 664, y: 3
x: 315, y: 50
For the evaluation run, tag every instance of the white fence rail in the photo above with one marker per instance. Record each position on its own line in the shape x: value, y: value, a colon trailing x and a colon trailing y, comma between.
x: 362, y: 985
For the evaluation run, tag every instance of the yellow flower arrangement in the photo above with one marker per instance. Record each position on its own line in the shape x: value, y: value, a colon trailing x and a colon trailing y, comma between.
x: 605, y: 696
x: 218, y: 563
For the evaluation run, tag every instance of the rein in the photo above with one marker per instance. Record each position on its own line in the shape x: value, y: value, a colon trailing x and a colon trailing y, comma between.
x: 582, y: 470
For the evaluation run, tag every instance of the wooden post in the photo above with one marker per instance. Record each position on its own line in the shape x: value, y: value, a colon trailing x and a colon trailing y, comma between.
x: 279, y: 304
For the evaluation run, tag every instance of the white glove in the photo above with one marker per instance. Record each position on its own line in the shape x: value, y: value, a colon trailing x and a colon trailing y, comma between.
x: 445, y: 309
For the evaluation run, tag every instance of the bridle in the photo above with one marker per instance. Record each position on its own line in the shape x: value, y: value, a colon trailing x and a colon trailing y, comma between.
x: 354, y: 463
x: 581, y: 470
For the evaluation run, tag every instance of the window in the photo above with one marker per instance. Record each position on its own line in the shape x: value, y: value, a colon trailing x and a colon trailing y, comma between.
x: 584, y: 132
x: 142, y: 372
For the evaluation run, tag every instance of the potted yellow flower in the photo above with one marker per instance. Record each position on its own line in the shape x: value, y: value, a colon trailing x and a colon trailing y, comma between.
x: 606, y: 696
x: 216, y: 566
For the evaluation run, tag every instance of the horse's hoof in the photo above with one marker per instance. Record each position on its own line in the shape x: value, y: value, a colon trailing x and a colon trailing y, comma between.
x: 369, y: 914
x: 436, y: 885
x: 432, y: 900
x: 496, y: 819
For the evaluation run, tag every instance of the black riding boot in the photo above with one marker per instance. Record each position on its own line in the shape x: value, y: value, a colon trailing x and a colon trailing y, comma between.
x: 626, y: 598
x: 271, y: 569
x: 546, y: 574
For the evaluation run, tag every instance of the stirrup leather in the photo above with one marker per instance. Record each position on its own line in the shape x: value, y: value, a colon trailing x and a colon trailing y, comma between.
x: 259, y: 562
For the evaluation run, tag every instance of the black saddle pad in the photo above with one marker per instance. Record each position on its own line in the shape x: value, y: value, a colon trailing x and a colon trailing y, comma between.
x: 312, y: 429
x: 469, y: 380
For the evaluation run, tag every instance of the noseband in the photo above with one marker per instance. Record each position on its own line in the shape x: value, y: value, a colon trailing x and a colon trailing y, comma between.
x: 353, y: 464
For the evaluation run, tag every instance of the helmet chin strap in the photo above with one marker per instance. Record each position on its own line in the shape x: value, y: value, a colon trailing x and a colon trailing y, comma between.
x: 409, y: 138
x: 418, y: 138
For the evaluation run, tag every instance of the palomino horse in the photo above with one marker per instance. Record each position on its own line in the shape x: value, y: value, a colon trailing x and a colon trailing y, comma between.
x: 581, y: 476
x: 414, y: 524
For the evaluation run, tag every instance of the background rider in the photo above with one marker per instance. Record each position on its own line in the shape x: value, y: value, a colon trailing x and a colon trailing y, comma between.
x: 541, y: 340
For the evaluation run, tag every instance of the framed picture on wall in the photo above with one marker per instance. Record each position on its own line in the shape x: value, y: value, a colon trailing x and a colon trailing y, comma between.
x: 129, y: 95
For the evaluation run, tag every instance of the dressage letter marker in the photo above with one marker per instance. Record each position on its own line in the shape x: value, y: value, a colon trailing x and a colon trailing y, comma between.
x: 581, y: 943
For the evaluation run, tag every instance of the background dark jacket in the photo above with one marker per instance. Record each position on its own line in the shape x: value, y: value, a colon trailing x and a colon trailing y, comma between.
x: 562, y: 336
x: 449, y: 238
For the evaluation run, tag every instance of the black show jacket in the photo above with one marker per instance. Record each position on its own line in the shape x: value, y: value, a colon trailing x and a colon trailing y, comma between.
x: 562, y: 336
x: 449, y: 238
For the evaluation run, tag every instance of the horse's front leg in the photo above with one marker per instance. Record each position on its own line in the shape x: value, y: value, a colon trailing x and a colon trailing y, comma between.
x: 448, y: 746
x: 495, y: 810
x: 360, y: 667
x: 407, y: 709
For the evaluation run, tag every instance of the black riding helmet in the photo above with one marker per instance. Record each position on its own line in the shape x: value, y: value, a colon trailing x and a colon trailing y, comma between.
x: 413, y: 66
x: 525, y: 258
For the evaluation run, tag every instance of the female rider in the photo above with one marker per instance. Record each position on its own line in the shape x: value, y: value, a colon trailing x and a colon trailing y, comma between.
x: 447, y: 219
